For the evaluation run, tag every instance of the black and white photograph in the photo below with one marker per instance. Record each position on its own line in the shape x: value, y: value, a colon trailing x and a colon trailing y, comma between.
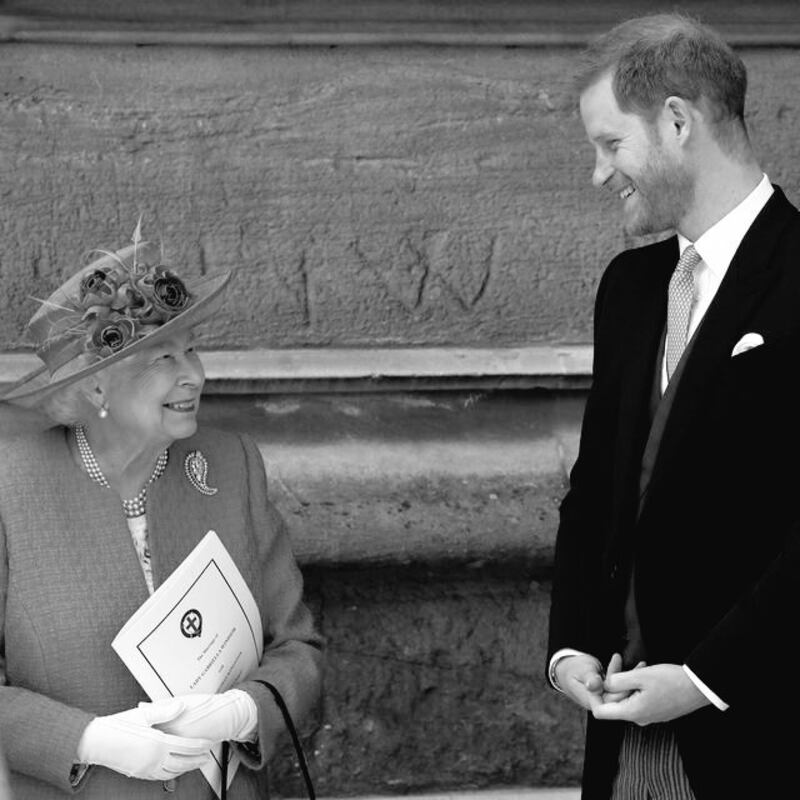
x: 398, y: 399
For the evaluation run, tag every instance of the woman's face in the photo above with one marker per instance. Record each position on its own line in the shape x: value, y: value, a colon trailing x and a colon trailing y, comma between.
x: 153, y: 396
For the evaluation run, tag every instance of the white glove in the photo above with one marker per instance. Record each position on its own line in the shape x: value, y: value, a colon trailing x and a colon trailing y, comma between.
x: 228, y: 717
x: 126, y: 743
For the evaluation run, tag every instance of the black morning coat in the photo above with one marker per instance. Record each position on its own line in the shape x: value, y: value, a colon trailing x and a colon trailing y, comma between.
x: 714, y: 540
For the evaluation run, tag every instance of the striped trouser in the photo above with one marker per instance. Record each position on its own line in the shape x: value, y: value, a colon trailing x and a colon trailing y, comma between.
x: 650, y: 766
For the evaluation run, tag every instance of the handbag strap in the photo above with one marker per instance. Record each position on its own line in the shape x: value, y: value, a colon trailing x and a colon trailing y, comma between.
x: 298, y: 748
x: 223, y: 770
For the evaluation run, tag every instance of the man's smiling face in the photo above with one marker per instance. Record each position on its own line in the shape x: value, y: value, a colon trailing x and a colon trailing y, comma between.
x: 633, y: 161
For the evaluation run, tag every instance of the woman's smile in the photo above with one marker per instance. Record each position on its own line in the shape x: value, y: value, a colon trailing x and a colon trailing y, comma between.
x: 182, y: 406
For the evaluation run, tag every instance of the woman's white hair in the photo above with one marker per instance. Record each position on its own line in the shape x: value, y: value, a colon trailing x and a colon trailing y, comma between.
x: 70, y: 405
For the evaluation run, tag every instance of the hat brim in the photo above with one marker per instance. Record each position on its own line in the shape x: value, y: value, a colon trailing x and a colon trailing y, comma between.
x: 37, y: 385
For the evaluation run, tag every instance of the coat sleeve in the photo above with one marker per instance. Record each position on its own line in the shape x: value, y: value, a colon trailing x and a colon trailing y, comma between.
x: 292, y: 658
x: 585, y: 508
x: 759, y: 631
x: 38, y: 734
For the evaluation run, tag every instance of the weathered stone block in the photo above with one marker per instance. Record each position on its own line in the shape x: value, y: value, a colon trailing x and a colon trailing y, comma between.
x: 435, y: 680
x: 369, y: 196
x: 425, y: 477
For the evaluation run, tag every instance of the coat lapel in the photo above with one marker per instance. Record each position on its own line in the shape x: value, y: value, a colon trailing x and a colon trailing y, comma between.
x: 750, y: 275
x: 638, y: 374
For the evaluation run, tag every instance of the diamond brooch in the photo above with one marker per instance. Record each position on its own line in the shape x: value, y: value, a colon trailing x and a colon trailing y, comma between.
x: 196, y: 468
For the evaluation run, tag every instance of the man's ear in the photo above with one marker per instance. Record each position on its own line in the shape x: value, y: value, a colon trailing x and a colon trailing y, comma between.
x: 679, y: 118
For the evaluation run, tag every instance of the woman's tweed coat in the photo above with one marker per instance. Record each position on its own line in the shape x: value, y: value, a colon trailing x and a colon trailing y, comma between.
x: 70, y: 578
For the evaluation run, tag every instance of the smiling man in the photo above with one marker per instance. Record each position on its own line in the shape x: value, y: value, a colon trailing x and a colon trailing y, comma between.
x: 677, y: 574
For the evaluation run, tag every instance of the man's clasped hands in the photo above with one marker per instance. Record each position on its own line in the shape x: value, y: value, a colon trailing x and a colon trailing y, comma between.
x: 642, y: 695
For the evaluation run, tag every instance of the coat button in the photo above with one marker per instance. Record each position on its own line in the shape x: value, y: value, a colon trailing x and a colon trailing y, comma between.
x: 169, y: 786
x: 612, y: 573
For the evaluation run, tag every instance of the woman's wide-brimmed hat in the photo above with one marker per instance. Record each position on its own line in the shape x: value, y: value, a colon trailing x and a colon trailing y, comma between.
x: 110, y: 309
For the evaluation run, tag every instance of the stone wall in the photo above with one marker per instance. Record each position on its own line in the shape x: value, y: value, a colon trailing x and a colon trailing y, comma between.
x: 367, y: 195
x: 424, y: 523
x: 434, y: 681
x: 383, y: 195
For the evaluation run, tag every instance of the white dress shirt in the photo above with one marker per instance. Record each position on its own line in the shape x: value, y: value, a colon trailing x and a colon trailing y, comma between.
x: 716, y: 248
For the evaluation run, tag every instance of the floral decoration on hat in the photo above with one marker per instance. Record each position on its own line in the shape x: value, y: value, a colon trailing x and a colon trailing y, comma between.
x: 122, y: 305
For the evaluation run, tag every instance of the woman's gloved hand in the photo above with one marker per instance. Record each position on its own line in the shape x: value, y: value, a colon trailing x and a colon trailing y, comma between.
x: 228, y: 717
x: 127, y: 743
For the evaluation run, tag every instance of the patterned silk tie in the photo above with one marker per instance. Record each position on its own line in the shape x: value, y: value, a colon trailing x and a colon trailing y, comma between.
x: 679, y: 308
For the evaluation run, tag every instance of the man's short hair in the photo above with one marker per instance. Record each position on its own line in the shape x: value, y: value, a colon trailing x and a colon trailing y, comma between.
x: 652, y: 58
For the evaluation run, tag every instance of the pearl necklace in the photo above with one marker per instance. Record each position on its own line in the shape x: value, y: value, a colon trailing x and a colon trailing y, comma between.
x: 134, y: 507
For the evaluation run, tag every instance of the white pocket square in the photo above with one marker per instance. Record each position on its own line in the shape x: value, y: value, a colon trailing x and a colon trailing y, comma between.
x: 747, y: 342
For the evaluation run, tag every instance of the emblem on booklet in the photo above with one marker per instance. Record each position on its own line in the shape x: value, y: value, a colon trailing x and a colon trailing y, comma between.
x: 192, y: 623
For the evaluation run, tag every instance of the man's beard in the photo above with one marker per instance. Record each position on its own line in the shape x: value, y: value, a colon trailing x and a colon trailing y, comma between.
x: 664, y: 193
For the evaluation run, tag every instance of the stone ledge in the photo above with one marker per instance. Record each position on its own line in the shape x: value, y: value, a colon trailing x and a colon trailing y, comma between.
x: 343, y: 22
x: 490, y: 794
x: 305, y: 35
x: 375, y: 368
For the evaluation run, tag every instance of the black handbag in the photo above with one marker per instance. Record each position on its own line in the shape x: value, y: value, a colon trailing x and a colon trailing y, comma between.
x: 287, y: 718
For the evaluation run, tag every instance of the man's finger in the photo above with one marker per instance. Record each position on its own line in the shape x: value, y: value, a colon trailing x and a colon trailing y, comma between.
x: 622, y: 710
x: 591, y: 700
x: 614, y: 665
x: 624, y: 681
x: 593, y: 683
x: 582, y: 696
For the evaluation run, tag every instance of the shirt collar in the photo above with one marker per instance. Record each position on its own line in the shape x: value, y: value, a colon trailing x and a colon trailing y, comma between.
x: 719, y: 243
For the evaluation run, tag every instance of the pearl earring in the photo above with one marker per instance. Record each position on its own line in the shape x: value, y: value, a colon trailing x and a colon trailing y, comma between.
x: 103, y: 412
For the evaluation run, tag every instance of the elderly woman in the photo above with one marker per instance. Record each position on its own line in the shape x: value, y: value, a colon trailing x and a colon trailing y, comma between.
x: 96, y: 511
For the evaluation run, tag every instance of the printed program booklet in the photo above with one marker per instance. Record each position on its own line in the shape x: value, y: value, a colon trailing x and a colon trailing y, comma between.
x: 199, y: 632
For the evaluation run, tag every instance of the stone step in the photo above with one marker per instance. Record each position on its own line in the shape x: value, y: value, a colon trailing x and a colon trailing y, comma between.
x: 521, y: 793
